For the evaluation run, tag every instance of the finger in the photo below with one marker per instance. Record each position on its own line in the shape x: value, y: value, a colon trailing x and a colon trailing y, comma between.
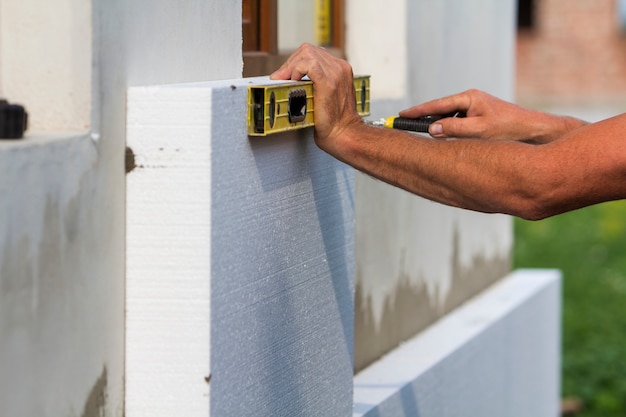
x: 298, y: 73
x: 286, y: 70
x: 293, y: 69
x: 282, y: 73
x: 457, y: 102
x: 454, y: 127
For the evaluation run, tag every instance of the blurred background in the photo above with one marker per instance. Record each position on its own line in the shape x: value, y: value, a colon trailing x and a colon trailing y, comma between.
x: 571, y: 59
x: 572, y: 55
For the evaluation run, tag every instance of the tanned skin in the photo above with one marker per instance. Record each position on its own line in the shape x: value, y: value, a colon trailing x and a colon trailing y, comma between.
x: 510, y: 160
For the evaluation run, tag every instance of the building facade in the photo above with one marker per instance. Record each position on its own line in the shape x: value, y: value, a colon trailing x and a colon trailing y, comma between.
x: 571, y: 52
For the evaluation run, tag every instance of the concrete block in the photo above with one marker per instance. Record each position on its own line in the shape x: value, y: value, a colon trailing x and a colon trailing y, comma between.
x: 497, y: 355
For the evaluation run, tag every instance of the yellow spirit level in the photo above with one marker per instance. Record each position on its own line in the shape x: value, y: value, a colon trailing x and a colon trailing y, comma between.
x: 289, y: 106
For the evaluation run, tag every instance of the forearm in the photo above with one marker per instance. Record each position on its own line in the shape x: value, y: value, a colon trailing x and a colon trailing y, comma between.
x: 472, y: 174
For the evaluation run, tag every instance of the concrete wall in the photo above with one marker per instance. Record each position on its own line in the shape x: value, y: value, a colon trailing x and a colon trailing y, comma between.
x: 45, y: 62
x: 62, y: 222
x: 416, y: 260
x: 496, y: 355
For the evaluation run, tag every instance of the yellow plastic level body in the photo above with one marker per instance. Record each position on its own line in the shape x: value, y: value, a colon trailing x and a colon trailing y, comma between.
x: 289, y: 106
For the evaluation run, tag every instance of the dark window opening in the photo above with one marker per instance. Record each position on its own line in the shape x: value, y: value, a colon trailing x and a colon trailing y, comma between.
x: 525, y: 14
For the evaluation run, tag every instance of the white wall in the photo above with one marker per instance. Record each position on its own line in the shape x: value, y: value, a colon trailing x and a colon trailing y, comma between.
x: 62, y: 222
x: 62, y: 226
x: 296, y: 23
x: 377, y: 44
x: 45, y: 61
x: 416, y: 260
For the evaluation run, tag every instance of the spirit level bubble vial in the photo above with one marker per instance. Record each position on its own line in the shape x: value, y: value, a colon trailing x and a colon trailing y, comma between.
x: 289, y: 106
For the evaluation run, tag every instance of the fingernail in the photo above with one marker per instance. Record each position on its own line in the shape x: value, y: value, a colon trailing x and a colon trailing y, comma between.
x: 436, y: 129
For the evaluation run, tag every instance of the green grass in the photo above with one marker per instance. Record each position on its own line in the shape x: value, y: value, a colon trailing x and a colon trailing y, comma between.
x: 589, y: 247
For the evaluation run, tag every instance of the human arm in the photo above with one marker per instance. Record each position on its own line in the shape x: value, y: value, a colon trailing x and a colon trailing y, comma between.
x: 491, y: 118
x: 583, y: 167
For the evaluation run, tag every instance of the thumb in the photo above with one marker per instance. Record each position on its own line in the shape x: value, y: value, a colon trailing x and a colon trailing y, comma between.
x: 436, y: 130
x: 455, y: 127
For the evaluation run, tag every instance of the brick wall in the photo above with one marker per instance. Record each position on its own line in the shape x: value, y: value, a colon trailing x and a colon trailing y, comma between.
x: 575, y: 52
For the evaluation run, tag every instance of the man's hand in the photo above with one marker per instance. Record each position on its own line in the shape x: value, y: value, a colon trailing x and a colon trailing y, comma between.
x: 334, y: 95
x: 491, y: 118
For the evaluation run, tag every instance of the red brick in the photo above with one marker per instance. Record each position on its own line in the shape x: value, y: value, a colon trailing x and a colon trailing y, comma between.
x: 576, y: 52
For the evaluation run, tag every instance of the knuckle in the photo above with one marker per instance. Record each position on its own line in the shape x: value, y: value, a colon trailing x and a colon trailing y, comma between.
x: 346, y: 66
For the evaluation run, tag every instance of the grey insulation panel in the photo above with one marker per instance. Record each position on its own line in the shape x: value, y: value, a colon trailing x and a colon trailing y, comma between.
x: 281, y: 271
x: 263, y: 227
